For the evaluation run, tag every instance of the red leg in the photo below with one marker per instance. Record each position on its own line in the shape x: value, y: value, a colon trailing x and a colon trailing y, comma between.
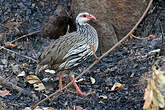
x: 79, y: 92
x: 60, y: 81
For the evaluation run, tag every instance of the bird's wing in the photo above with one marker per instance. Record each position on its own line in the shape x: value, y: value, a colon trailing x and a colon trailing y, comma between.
x: 57, y: 52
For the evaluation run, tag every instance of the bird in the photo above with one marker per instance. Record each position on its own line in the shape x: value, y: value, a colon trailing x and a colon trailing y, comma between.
x: 71, y: 50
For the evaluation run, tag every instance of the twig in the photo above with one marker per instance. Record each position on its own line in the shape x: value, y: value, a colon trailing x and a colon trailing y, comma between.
x: 29, y: 34
x: 162, y: 43
x: 11, y: 86
x: 26, y: 35
x: 1, y: 47
x: 145, y: 38
x: 96, y: 61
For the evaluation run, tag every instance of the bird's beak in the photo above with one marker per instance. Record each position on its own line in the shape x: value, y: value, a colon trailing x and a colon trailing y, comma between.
x: 91, y: 17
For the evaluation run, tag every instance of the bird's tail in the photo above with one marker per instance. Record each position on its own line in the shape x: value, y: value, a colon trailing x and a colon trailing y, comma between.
x: 41, y: 68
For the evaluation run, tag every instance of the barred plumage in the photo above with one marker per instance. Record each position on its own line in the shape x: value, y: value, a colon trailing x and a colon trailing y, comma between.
x: 72, y: 49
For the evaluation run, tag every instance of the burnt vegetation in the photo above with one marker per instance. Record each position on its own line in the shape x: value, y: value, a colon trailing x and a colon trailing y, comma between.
x: 130, y: 64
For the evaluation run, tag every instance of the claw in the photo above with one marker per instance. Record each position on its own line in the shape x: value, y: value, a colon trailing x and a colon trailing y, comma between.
x: 78, y: 91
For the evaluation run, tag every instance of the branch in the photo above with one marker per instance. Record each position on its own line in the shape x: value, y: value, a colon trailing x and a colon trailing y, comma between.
x: 1, y: 47
x: 145, y: 38
x: 26, y: 35
x: 104, y: 55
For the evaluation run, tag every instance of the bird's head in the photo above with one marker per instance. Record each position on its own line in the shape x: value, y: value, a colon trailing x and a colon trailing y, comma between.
x: 82, y: 18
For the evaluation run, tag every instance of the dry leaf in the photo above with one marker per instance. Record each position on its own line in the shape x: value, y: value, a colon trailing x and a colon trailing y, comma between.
x: 147, y: 99
x: 132, y: 75
x: 158, y: 98
x: 32, y: 79
x: 117, y: 86
x: 81, y: 79
x: 153, y: 36
x: 38, y: 85
x: 50, y: 71
x: 78, y: 108
x: 91, y: 92
x: 40, y: 108
x: 27, y: 108
x: 4, y: 93
x: 92, y: 80
x: 21, y: 74
x: 154, y: 51
x: 155, y: 103
x: 153, y: 97
x: 159, y: 80
x: 151, y: 102
x: 103, y: 96
x: 42, y: 3
x: 148, y: 95
x: 158, y: 77
x: 11, y: 45
x: 25, y: 64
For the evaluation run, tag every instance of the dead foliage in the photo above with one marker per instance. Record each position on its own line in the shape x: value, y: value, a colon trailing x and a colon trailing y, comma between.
x: 154, y: 98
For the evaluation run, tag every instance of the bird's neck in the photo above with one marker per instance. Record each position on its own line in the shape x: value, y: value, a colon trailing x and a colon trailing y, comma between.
x: 83, y: 29
x: 89, y: 33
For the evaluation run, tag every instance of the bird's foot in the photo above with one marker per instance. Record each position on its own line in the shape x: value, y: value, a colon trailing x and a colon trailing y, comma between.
x: 81, y: 93
x: 78, y: 90
x: 60, y: 88
x: 131, y: 36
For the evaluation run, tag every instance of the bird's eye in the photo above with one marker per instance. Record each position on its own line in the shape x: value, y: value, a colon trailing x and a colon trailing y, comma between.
x: 84, y: 15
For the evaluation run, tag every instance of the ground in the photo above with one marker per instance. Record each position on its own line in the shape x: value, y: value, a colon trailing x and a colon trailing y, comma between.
x: 130, y: 64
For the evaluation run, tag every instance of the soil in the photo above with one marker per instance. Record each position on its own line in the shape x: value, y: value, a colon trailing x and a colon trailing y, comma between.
x: 130, y: 64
